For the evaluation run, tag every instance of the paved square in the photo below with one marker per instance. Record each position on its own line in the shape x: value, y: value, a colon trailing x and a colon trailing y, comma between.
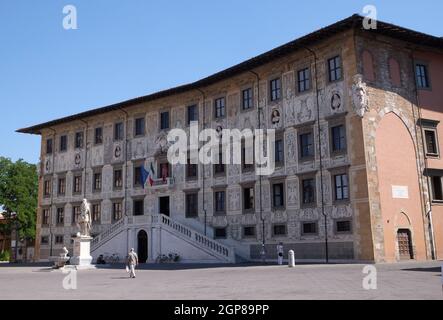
x: 203, y: 282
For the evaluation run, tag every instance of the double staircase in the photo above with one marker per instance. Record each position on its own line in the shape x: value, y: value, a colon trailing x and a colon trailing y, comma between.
x: 220, y: 252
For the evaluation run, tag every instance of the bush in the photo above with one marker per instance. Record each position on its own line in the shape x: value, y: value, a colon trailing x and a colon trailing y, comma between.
x: 5, y: 256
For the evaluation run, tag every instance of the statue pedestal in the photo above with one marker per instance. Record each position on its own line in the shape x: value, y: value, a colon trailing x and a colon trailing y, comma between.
x: 82, y: 251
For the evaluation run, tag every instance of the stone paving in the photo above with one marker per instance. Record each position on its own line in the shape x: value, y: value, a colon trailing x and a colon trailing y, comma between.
x: 209, y: 282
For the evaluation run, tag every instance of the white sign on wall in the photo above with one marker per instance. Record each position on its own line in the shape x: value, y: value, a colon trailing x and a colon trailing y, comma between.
x: 400, y: 192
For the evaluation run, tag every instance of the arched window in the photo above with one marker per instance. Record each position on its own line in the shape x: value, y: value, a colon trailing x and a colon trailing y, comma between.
x: 394, y: 72
x: 368, y: 66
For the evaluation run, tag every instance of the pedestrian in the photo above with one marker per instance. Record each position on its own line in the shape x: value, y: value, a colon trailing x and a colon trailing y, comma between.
x: 131, y: 263
x: 280, y: 253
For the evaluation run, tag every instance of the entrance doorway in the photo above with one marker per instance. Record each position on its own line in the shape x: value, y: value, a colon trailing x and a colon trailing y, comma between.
x: 142, y: 248
x: 164, y: 206
x: 405, y: 244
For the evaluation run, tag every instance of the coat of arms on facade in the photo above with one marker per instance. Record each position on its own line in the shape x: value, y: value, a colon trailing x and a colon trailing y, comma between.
x: 359, y: 96
x: 162, y: 142
x: 276, y: 118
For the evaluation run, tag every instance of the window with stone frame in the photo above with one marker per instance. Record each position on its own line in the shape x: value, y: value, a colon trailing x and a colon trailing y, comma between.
x: 191, y: 169
x: 139, y: 128
x: 59, y: 239
x: 279, y: 150
x: 437, y: 188
x: 76, y: 211
x: 304, y: 80
x: 343, y: 226
x: 220, y: 202
x: 278, y: 195
x: 192, y: 114
x: 275, y: 89
x: 164, y: 120
x: 97, y: 182
x: 49, y: 146
x: 308, y: 191
x: 279, y: 230
x: 77, y: 185
x: 60, y: 217
x: 63, y: 143
x: 247, y: 99
x: 138, y: 175
x: 247, y: 155
x: 335, y: 69
x: 309, y: 228
x: 306, y: 145
x: 117, y: 211
x: 192, y: 205
x: 338, y: 138
x: 164, y: 169
x: 248, y: 199
x: 431, y: 143
x: 118, y: 179
x: 79, y: 140
x: 118, y: 131
x: 219, y: 108
x: 421, y: 73
x: 96, y: 213
x: 219, y: 167
x: 44, y: 240
x: 341, y: 186
x: 45, y: 217
x: 249, y: 232
x: 220, y: 233
x: 98, y: 135
x: 138, y: 207
x: 62, y: 186
x: 47, y: 188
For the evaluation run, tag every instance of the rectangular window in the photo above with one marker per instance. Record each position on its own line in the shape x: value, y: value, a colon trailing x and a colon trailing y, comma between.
x: 96, y: 213
x: 60, y: 216
x: 247, y: 157
x: 139, y: 127
x: 338, y: 136
x: 164, y: 120
x: 309, y: 228
x: 278, y: 195
x: 220, y: 203
x: 279, y: 230
x: 341, y: 187
x: 422, y: 76
x: 45, y: 240
x: 118, y: 131
x: 308, y: 191
x: 97, y: 183
x: 79, y: 140
x: 306, y: 145
x: 138, y: 176
x: 220, y: 233
x: 98, y: 135
x: 47, y: 188
x: 192, y: 113
x: 191, y: 205
x: 249, y: 232
x: 76, y: 211
x: 138, y: 207
x: 431, y: 142
x: 279, y: 152
x: 45, y: 217
x: 437, y: 189
x: 118, y: 179
x: 219, y: 168
x: 49, y: 146
x: 63, y: 143
x: 59, y: 240
x: 219, y: 108
x: 77, y: 187
x: 275, y: 86
x: 334, y: 67
x: 304, y: 80
x: 247, y: 102
x: 61, y: 186
x: 248, y: 199
x: 191, y: 169
x: 343, y: 226
x: 164, y: 170
x: 117, y: 212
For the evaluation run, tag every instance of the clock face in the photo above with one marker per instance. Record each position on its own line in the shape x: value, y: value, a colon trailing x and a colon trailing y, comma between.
x: 335, y: 101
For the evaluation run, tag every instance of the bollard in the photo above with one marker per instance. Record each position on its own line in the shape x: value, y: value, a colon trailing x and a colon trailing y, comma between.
x: 291, y: 259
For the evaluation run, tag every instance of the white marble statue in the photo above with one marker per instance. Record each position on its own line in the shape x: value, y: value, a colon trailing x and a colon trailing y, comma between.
x: 84, y: 220
x: 359, y: 96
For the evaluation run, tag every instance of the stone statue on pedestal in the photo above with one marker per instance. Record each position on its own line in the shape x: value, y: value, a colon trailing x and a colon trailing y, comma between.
x: 84, y: 220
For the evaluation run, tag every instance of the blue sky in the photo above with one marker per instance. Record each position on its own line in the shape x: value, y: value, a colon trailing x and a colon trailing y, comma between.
x: 125, y: 49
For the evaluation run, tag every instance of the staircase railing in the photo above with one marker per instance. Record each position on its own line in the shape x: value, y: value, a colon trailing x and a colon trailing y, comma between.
x: 107, y: 234
x: 202, y: 240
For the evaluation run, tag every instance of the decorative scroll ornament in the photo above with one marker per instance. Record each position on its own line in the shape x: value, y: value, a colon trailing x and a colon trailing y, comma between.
x: 359, y: 96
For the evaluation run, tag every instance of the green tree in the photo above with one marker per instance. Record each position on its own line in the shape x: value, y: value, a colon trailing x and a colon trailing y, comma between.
x: 19, y: 194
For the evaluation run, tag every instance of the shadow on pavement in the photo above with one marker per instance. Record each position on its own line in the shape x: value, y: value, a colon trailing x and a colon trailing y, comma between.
x: 430, y: 269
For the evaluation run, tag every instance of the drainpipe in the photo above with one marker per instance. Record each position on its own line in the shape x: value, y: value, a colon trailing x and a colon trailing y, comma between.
x: 259, y: 113
x: 421, y: 174
x: 312, y: 52
x: 203, y: 175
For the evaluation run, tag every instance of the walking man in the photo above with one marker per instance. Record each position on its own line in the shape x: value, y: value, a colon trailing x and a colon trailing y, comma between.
x: 132, y: 262
x: 280, y: 253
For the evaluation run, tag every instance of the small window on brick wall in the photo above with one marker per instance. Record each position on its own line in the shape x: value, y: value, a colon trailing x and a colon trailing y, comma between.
x: 437, y: 189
